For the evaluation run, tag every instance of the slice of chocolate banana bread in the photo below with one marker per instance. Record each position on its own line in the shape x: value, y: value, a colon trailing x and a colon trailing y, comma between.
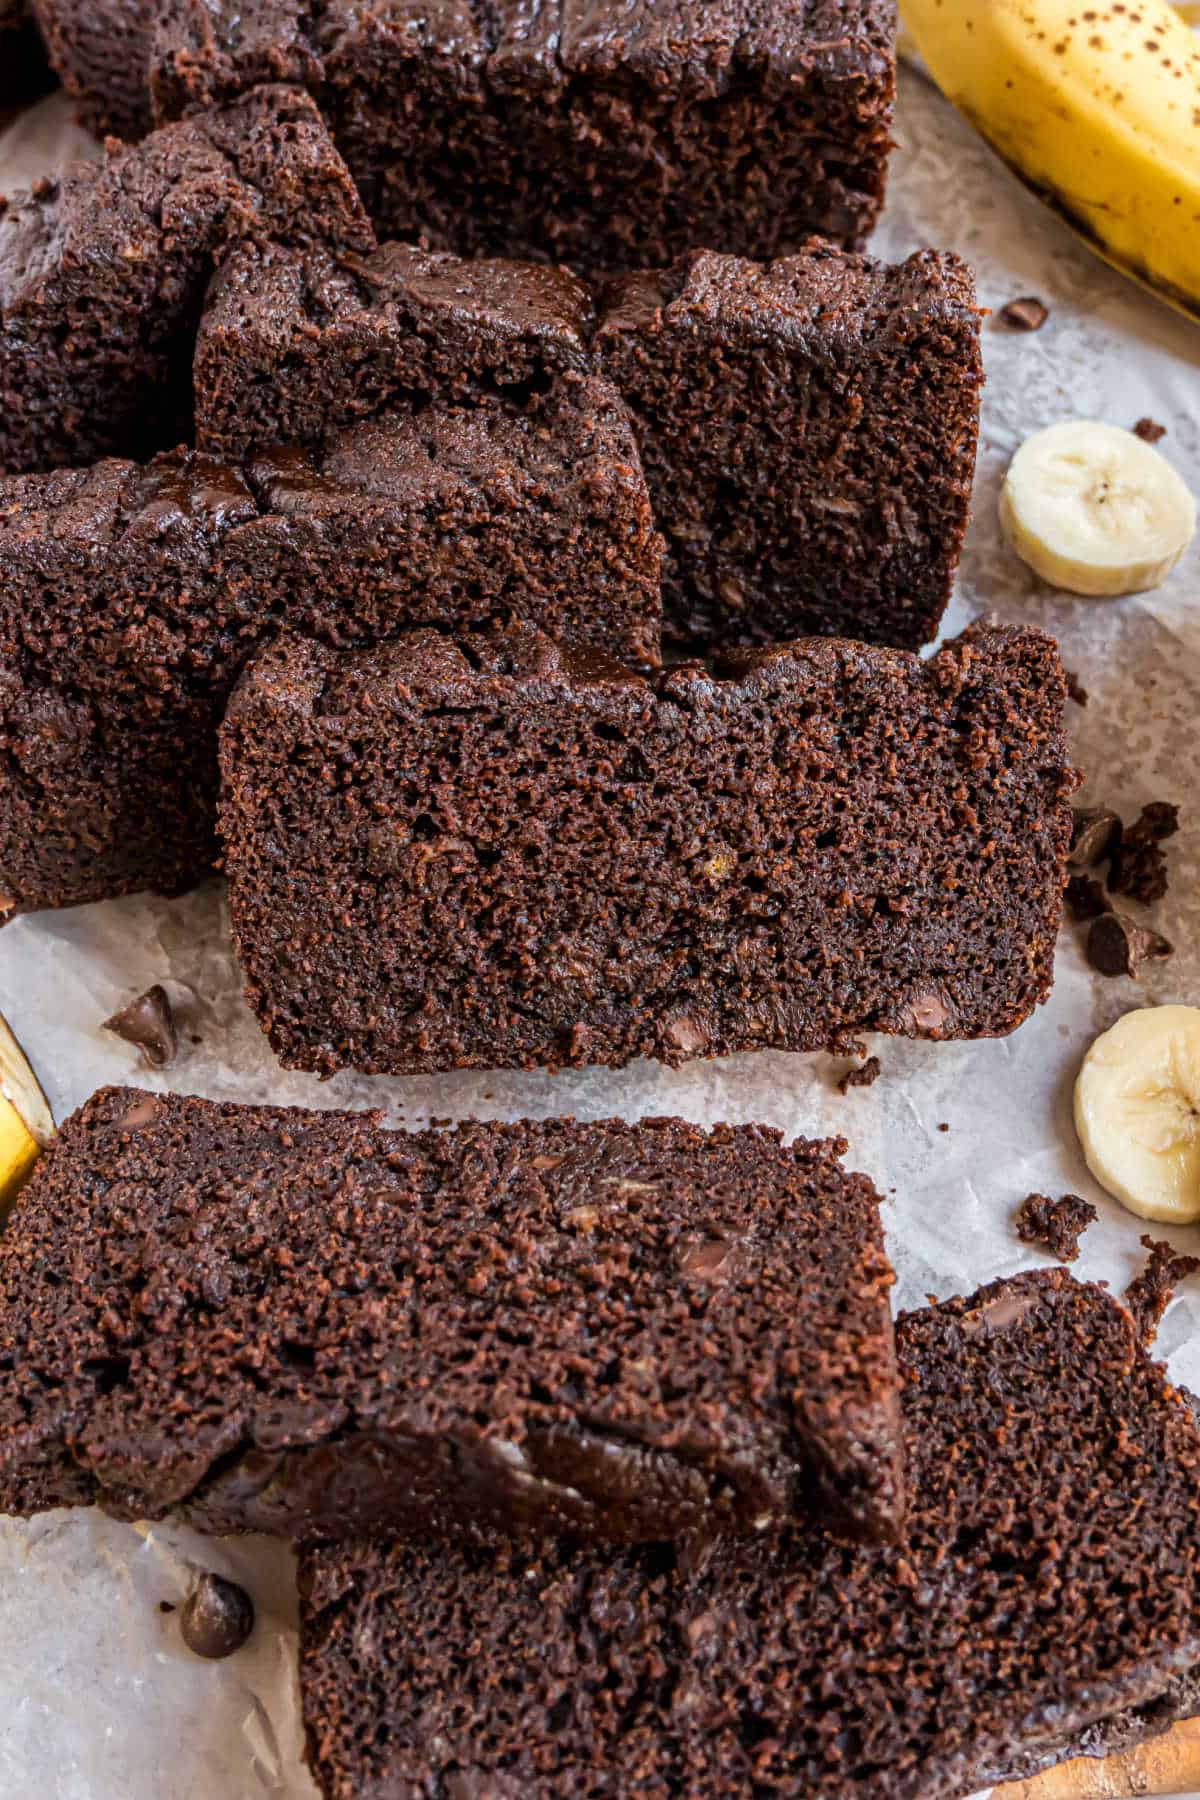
x: 503, y: 854
x: 808, y: 431
x: 103, y: 271
x: 303, y: 1322
x: 1048, y: 1577
x: 605, y: 136
x: 294, y: 344
x: 130, y: 597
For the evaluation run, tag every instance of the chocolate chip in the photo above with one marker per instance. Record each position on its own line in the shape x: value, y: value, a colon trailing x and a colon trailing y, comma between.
x: 1057, y: 1225
x: 1118, y: 945
x: 1026, y: 314
x: 1149, y: 430
x: 1094, y: 830
x: 217, y: 1617
x: 1075, y: 688
x: 862, y: 1077
x: 1086, y: 898
x: 149, y: 1023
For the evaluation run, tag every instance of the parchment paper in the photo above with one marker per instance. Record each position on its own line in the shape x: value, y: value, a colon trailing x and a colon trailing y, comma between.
x: 99, y: 1701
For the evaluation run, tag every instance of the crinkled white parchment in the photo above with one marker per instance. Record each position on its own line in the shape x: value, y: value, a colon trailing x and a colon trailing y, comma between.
x: 98, y: 1699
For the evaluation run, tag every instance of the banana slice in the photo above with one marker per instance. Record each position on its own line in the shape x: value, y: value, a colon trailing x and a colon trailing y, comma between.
x: 26, y: 1122
x: 1137, y: 1112
x: 1095, y: 510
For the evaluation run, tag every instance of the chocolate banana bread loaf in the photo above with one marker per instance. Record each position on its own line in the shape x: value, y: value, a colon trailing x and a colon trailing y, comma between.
x: 294, y: 344
x: 130, y: 597
x: 808, y: 431
x: 609, y: 136
x: 1048, y: 1577
x: 23, y: 70
x: 100, y: 50
x: 103, y: 271
x: 305, y: 1323
x: 506, y: 854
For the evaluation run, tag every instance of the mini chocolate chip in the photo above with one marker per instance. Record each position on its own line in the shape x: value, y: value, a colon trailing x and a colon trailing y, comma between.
x: 1149, y: 430
x: 149, y: 1023
x: 217, y: 1618
x: 1086, y: 899
x: 863, y: 1077
x: 166, y: 1606
x: 1094, y: 830
x: 1026, y: 314
x: 1118, y: 945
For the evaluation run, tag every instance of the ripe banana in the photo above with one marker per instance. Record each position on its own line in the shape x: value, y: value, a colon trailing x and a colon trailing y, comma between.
x: 26, y: 1122
x: 1093, y: 509
x: 1137, y: 1112
x: 1095, y: 108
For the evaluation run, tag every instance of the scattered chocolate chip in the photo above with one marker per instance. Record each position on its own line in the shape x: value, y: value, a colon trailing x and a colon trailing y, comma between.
x: 217, y: 1618
x: 149, y: 1023
x: 1075, y: 688
x: 943, y: 1127
x: 1086, y: 898
x: 1149, y: 1293
x: 1026, y: 314
x: 1057, y: 1225
x: 1094, y: 830
x: 1149, y: 430
x: 1137, y: 866
x: 863, y: 1077
x: 166, y: 1606
x: 1118, y: 945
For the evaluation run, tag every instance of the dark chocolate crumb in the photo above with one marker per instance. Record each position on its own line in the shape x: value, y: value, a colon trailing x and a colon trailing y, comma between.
x: 1149, y: 430
x: 943, y: 1127
x: 166, y: 1606
x: 1057, y: 1225
x: 1149, y: 1293
x: 1075, y: 688
x: 1118, y: 945
x: 217, y: 1618
x: 1086, y: 898
x: 149, y: 1023
x: 1094, y: 831
x: 862, y: 1077
x: 1136, y: 865
x: 1159, y: 820
x: 1027, y: 313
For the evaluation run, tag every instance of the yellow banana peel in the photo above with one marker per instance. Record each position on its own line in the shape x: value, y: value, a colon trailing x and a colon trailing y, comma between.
x: 1097, y: 109
x: 26, y: 1122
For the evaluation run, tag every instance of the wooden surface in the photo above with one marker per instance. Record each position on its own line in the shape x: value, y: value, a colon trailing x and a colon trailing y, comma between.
x: 1169, y: 1765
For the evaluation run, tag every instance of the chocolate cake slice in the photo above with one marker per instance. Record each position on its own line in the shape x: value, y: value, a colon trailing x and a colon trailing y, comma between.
x: 294, y: 344
x: 605, y: 136
x: 103, y: 271
x: 502, y: 854
x: 1048, y: 1578
x: 130, y: 597
x: 302, y: 1322
x: 808, y: 430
